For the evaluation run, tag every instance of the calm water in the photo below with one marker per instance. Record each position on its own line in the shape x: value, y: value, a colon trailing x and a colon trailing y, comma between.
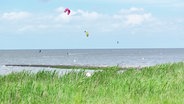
x: 97, y: 57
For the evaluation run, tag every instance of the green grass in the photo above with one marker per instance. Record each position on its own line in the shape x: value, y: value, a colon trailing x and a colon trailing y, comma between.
x: 160, y: 84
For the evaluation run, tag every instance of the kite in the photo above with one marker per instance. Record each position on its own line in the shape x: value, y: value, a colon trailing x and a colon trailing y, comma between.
x: 67, y: 11
x: 87, y: 34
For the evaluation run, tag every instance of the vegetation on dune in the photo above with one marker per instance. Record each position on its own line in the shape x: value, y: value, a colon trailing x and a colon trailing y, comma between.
x: 160, y: 84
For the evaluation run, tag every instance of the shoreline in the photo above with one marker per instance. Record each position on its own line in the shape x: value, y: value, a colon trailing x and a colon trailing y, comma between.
x: 75, y: 66
x: 62, y: 69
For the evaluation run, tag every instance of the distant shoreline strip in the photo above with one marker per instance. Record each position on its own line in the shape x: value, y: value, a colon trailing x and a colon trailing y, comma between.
x: 60, y: 66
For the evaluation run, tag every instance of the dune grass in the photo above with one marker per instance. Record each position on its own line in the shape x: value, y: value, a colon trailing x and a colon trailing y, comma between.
x: 160, y: 84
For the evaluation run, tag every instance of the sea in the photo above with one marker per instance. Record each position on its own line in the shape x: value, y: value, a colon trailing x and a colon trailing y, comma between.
x: 90, y: 57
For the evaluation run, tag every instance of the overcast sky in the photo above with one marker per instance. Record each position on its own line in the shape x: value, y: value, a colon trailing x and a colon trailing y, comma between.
x: 42, y: 24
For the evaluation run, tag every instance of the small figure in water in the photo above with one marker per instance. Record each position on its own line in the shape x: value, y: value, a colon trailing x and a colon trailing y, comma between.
x: 40, y: 51
x: 117, y: 42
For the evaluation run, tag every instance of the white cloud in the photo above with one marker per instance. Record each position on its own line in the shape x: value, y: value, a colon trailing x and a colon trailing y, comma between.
x: 125, y: 17
x: 15, y: 15
x: 89, y: 15
x: 62, y: 16
x: 133, y: 16
x: 80, y: 20
x: 131, y: 10
x: 78, y: 15
x: 137, y: 19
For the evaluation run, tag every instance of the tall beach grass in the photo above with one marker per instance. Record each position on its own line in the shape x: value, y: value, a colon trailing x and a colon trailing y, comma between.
x: 160, y: 84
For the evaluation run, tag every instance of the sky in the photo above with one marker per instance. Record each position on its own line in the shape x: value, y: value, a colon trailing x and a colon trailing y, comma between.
x: 42, y: 24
